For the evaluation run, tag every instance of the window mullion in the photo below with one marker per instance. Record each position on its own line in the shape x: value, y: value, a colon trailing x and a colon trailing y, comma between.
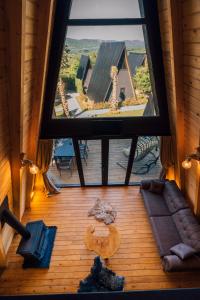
x: 131, y: 159
x: 104, y: 22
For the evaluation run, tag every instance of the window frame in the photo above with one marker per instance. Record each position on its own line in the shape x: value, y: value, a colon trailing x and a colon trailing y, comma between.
x: 95, y: 128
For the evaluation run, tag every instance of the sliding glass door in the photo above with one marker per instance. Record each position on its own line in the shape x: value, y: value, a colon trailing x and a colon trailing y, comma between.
x: 105, y: 161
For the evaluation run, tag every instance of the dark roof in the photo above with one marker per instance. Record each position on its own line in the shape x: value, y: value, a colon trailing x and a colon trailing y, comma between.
x: 83, y: 67
x: 135, y: 60
x: 109, y: 54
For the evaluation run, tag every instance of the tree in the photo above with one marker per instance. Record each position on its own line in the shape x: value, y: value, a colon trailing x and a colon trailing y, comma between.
x: 61, y: 85
x: 61, y: 90
x: 142, y: 80
x: 93, y: 57
x: 65, y: 59
x: 114, y: 101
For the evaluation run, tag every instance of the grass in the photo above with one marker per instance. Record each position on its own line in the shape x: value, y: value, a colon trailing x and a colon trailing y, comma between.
x: 131, y: 113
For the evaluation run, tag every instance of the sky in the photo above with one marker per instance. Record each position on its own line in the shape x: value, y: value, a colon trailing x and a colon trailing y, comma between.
x: 118, y: 33
x: 92, y: 9
x: 85, y: 9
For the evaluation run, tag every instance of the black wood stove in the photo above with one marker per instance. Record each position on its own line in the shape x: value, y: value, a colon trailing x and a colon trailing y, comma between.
x: 34, y: 240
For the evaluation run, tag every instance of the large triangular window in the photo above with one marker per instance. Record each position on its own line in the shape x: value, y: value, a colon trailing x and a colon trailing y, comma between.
x: 105, y: 71
x: 105, y: 100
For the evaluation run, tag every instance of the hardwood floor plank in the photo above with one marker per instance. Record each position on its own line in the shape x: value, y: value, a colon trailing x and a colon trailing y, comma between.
x: 137, y: 257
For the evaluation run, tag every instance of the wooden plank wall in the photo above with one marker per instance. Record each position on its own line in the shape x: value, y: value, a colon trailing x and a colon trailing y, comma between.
x: 4, y: 129
x: 5, y: 169
x: 173, y: 75
x: 31, y: 29
x: 188, y: 52
x: 32, y: 46
x: 24, y: 33
x: 191, y: 87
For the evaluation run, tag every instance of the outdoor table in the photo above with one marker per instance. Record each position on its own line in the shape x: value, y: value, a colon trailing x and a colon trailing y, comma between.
x: 66, y: 150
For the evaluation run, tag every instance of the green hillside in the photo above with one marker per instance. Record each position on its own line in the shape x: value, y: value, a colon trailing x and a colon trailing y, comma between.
x: 91, y: 45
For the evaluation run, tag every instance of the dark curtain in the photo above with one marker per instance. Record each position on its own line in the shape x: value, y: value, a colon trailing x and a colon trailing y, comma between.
x: 44, y: 156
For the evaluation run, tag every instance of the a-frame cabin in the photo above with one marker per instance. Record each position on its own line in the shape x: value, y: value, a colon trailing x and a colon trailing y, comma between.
x: 100, y: 86
x: 27, y: 31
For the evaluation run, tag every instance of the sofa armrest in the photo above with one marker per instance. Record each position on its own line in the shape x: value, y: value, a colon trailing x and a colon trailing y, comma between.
x: 145, y: 184
x: 174, y: 263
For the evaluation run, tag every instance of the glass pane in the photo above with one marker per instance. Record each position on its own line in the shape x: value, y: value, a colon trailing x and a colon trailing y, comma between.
x: 95, y: 9
x: 147, y: 163
x: 104, y: 73
x: 118, y: 160
x: 91, y: 161
x: 63, y: 169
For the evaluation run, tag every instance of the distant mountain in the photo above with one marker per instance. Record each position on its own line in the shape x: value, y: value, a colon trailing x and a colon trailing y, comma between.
x: 85, y: 44
x: 93, y: 45
x: 134, y: 44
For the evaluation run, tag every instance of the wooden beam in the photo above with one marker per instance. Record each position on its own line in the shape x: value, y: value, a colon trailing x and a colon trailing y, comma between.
x: 45, y: 16
x: 175, y: 39
x: 15, y: 18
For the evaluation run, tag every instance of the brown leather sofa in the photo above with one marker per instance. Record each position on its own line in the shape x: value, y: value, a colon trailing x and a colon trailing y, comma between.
x: 172, y: 223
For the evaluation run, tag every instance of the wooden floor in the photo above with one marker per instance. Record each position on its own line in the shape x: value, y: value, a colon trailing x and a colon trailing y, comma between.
x: 137, y: 258
x: 116, y: 173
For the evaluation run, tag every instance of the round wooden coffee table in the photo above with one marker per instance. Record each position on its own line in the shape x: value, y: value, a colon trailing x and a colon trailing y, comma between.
x: 105, y: 246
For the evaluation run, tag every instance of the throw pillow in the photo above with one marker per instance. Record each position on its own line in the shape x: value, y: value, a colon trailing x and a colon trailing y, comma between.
x: 183, y: 251
x: 156, y: 186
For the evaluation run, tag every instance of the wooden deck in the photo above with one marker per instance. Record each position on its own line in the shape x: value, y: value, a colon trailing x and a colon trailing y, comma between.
x: 116, y: 174
x: 137, y: 258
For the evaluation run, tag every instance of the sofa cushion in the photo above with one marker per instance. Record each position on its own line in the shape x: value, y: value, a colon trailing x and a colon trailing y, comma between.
x: 157, y: 186
x: 155, y: 204
x: 173, y: 197
x: 165, y: 233
x: 183, y: 251
x: 188, y: 227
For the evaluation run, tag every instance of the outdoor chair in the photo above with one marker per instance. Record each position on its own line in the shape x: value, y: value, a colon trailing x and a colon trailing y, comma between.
x: 85, y: 144
x: 146, y: 155
x: 64, y: 164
